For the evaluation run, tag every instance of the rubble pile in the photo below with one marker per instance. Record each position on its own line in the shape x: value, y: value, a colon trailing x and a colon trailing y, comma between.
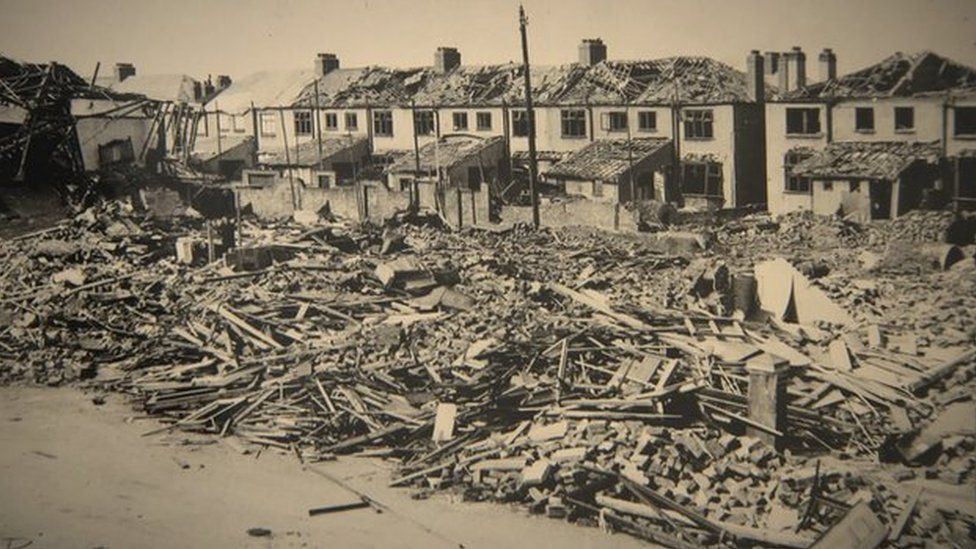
x: 583, y: 375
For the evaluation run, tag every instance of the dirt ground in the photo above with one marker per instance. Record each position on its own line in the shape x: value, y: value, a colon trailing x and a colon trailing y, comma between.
x: 75, y: 474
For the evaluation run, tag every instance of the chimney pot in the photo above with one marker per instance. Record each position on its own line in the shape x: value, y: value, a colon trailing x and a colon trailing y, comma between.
x: 123, y: 71
x: 592, y: 51
x: 223, y: 81
x: 756, y: 76
x: 828, y: 64
x: 446, y: 59
x: 326, y: 63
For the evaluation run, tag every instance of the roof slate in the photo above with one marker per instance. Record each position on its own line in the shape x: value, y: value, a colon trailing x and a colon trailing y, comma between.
x: 307, y: 153
x: 445, y: 152
x: 607, y: 159
x: 900, y: 75
x: 869, y: 160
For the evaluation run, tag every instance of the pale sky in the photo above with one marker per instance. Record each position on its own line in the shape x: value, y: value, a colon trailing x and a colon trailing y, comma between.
x: 201, y: 37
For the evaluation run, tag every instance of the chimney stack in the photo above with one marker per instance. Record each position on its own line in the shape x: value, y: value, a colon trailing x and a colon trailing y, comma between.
x: 124, y: 70
x: 771, y: 61
x: 197, y: 90
x: 756, y: 76
x: 793, y: 69
x: 592, y: 51
x: 223, y: 81
x: 326, y: 63
x: 828, y: 64
x: 208, y: 87
x: 446, y: 59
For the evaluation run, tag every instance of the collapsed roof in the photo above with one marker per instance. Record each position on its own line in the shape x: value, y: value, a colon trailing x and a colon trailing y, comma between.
x: 899, y: 75
x: 264, y: 89
x: 446, y: 152
x: 307, y: 153
x: 608, y: 159
x: 867, y: 160
x: 177, y: 88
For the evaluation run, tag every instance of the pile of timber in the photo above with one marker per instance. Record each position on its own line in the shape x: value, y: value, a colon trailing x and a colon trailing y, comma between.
x: 580, y: 374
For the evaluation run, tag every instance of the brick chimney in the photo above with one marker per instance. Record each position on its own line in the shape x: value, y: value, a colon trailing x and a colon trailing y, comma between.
x: 326, y: 63
x: 793, y: 69
x: 223, y: 81
x: 755, y: 75
x: 828, y: 64
x: 124, y: 70
x: 446, y: 59
x: 197, y: 90
x: 592, y: 51
x: 771, y: 61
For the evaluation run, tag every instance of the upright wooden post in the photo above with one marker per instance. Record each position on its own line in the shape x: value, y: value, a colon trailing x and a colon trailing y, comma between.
x: 530, y: 117
x: 767, y: 397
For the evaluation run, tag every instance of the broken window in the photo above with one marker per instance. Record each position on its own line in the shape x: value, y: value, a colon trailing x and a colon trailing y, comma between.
x: 331, y: 121
x: 904, y: 118
x: 483, y: 119
x: 828, y: 185
x: 460, y: 120
x: 795, y: 183
x: 352, y: 121
x: 965, y: 121
x: 698, y: 124
x: 303, y: 122
x: 803, y: 121
x: 702, y: 178
x: 268, y: 124
x: 325, y: 180
x: 647, y: 121
x: 405, y: 183
x: 383, y: 123
x: 423, y: 122
x: 864, y: 119
x: 118, y: 151
x: 520, y: 123
x: 614, y: 121
x: 573, y: 122
x: 854, y: 186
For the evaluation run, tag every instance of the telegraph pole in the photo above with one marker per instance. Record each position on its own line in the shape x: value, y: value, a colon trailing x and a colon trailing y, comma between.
x: 530, y: 115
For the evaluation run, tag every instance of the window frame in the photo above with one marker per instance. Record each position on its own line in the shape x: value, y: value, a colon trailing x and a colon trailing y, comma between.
x: 478, y: 121
x: 699, y: 124
x: 354, y: 117
x: 971, y: 111
x: 266, y: 119
x: 710, y: 172
x: 869, y: 113
x: 614, y: 121
x: 809, y: 125
x: 911, y: 118
x: 383, y: 123
x: 571, y: 121
x: 459, y: 116
x: 795, y: 184
x: 641, y: 127
x: 331, y: 121
x: 423, y: 122
x: 520, y: 123
x: 302, y: 122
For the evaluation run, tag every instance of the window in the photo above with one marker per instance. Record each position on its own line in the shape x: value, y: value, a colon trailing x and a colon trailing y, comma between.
x: 573, y: 122
x: 483, y: 119
x: 828, y: 185
x: 303, y: 122
x: 795, y: 183
x: 904, y: 119
x: 460, y: 121
x: 702, y: 178
x: 405, y: 183
x: 520, y: 123
x: 698, y: 124
x: 864, y: 119
x: 325, y: 180
x: 967, y: 178
x: 383, y: 123
x: 268, y: 124
x: 598, y: 188
x: 965, y: 121
x: 854, y: 186
x: 423, y: 122
x: 802, y: 121
x: 238, y: 122
x: 331, y: 121
x: 614, y: 121
x: 647, y: 121
x: 352, y: 121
